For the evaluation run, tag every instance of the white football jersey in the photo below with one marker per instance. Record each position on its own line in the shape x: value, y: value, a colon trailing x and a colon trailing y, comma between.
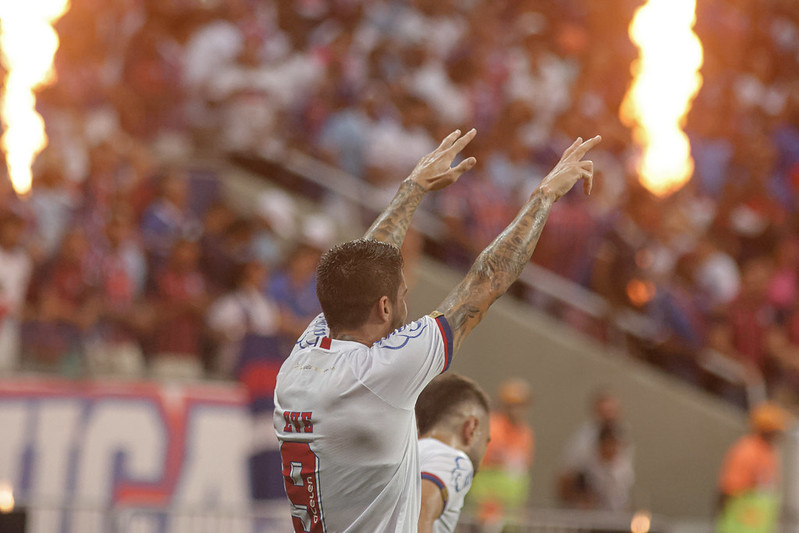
x: 344, y: 413
x: 451, y: 470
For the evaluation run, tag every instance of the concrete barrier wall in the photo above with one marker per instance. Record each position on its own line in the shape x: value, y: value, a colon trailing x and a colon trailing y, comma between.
x: 680, y: 434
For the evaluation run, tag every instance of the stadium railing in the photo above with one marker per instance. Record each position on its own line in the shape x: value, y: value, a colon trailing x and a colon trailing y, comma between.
x: 52, y: 516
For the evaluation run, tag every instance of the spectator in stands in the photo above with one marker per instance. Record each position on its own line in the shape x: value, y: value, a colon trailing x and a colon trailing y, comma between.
x: 343, y: 138
x: 224, y: 253
x: 711, y: 149
x: 66, y: 308
x: 15, y: 273
x: 581, y: 447
x: 602, y: 480
x: 212, y: 46
x: 751, y: 321
x: 152, y: 73
x: 168, y: 219
x: 717, y: 274
x: 180, y: 303
x: 121, y: 274
x: 615, y: 263
x: 100, y: 189
x: 510, y: 164
x: 785, y: 136
x: 784, y: 347
x: 214, y: 261
x: 474, y: 211
x: 535, y: 69
x: 241, y: 318
x: 53, y: 206
x: 396, y: 145
x: 783, y: 287
x: 502, y: 490
x: 677, y: 309
x: 749, y: 481
x: 275, y: 225
x: 249, y: 111
x: 293, y: 287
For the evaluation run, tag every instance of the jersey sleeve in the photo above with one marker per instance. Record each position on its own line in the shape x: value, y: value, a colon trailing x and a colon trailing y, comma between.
x: 398, y: 367
x: 452, y: 473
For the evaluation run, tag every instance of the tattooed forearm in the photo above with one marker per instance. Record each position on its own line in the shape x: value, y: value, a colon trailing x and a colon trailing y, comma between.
x: 497, y: 267
x: 393, y: 223
x: 505, y: 258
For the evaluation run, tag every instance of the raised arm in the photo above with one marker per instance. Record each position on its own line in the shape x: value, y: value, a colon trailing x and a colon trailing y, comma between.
x: 433, y: 172
x: 432, y: 506
x: 501, y: 263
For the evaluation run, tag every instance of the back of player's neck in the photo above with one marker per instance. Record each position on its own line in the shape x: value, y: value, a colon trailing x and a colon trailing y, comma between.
x: 352, y: 337
x: 444, y: 436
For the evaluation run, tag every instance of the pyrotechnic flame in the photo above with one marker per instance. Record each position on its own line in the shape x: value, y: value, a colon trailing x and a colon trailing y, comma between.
x: 641, y: 522
x: 6, y: 497
x: 666, y: 80
x: 28, y: 42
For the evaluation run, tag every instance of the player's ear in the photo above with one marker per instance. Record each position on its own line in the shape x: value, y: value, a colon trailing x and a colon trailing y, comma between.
x: 469, y: 429
x: 384, y: 309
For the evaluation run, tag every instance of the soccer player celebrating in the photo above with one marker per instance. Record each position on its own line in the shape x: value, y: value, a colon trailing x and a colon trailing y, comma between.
x: 452, y: 413
x: 345, y: 397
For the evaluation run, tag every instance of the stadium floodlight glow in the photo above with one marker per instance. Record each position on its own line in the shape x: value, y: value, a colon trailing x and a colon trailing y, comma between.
x: 665, y: 81
x: 28, y: 44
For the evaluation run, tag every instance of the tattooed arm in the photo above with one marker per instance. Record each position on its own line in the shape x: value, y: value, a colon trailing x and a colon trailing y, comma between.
x: 501, y: 263
x: 433, y: 172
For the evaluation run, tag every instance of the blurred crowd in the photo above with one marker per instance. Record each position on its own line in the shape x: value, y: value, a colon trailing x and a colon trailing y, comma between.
x: 116, y: 248
x: 151, y: 279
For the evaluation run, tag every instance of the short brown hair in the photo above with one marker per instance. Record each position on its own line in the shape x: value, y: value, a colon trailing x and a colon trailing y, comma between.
x: 443, y: 396
x: 353, y: 276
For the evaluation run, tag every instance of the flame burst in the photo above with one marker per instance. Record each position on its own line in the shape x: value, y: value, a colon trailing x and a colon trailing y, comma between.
x: 666, y: 80
x: 28, y: 43
x: 6, y: 497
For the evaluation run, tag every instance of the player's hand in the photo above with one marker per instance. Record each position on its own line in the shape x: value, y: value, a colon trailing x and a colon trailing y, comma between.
x: 434, y: 171
x: 570, y: 169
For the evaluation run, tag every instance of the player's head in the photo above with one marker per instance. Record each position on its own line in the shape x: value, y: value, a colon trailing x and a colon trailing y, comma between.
x: 769, y: 420
x: 606, y: 406
x: 455, y: 407
x: 515, y: 397
x: 358, y: 278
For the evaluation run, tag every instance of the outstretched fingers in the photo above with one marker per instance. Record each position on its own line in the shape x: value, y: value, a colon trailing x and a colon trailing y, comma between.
x: 583, y: 148
x: 461, y: 143
x: 570, y: 150
x: 448, y: 140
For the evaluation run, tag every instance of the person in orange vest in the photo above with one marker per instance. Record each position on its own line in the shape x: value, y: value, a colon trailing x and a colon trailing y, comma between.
x: 749, y: 482
x: 502, y: 489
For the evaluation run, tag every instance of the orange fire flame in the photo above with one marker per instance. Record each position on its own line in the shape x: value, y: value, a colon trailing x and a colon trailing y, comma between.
x: 666, y: 80
x: 28, y: 42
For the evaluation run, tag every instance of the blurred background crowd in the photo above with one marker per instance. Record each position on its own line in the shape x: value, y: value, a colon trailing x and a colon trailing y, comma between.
x: 123, y: 239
